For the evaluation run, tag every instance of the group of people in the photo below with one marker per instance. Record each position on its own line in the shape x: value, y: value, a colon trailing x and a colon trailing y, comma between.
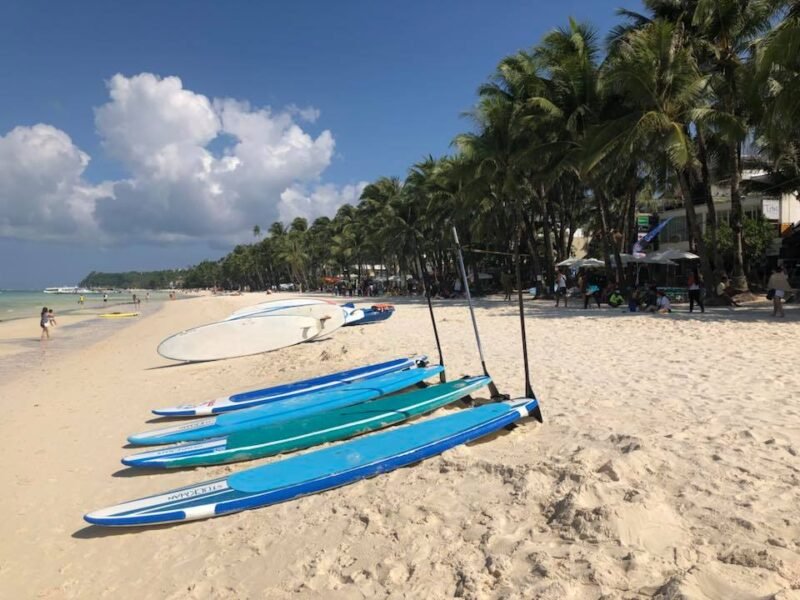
x: 46, y: 321
x: 651, y: 299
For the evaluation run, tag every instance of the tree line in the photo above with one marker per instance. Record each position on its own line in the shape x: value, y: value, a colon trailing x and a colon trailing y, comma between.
x: 579, y: 132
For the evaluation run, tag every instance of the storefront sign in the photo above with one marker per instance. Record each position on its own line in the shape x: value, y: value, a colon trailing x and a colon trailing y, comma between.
x: 771, y: 209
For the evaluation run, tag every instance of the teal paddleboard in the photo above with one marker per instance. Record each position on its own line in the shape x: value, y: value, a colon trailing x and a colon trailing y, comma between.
x: 303, y: 433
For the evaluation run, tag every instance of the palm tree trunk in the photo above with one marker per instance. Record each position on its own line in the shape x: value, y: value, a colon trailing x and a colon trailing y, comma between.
x: 549, y: 273
x: 531, y: 241
x: 738, y: 278
x: 694, y: 226
x: 608, y: 248
x: 711, y: 209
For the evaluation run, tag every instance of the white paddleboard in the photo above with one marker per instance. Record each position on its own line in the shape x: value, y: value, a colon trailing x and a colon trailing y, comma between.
x: 240, y: 337
x: 264, y: 307
x: 331, y: 316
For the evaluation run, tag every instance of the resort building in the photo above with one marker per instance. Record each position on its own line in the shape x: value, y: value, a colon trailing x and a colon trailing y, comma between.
x: 761, y: 195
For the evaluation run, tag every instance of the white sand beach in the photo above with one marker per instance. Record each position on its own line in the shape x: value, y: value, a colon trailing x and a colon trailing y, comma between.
x: 667, y: 466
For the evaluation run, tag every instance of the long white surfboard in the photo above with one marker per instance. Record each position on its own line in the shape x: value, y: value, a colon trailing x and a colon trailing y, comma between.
x: 272, y: 305
x: 229, y: 339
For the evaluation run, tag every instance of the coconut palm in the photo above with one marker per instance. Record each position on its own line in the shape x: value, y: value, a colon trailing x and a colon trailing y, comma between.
x: 659, y: 79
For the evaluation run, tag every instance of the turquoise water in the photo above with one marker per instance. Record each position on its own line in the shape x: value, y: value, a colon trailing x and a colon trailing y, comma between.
x: 19, y: 304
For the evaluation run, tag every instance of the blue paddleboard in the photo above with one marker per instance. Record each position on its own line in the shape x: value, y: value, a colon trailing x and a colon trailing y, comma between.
x: 289, y: 408
x: 317, y: 471
x: 288, y: 390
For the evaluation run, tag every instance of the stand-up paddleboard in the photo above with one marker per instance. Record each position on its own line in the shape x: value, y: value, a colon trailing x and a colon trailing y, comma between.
x: 272, y: 305
x: 325, y: 427
x: 251, y: 335
x: 330, y: 315
x: 242, y: 337
x: 255, y: 397
x: 284, y: 410
x: 319, y: 470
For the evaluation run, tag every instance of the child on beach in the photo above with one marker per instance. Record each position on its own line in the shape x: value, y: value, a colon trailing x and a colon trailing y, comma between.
x: 51, y: 316
x: 44, y: 323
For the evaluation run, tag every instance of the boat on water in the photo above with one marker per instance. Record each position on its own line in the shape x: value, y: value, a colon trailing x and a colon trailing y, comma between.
x: 67, y: 290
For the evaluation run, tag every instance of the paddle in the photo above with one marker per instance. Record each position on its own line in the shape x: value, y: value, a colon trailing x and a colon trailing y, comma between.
x: 426, y: 284
x: 496, y: 395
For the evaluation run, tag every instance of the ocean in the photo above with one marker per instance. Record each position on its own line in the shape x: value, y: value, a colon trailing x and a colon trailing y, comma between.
x: 19, y: 304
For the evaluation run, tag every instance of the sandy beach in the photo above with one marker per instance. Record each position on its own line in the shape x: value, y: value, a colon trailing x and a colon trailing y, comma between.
x: 667, y: 466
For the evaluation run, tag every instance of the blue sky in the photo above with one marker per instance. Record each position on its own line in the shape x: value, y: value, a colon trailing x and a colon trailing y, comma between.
x: 387, y: 83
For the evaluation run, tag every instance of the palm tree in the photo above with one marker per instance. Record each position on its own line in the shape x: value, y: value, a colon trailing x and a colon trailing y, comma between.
x: 659, y: 79
x: 729, y: 29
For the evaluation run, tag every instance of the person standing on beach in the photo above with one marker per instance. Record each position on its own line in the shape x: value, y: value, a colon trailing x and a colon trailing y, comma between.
x: 44, y: 323
x: 105, y: 297
x: 51, y: 316
x: 588, y: 290
x: 81, y: 300
x: 505, y: 280
x: 694, y: 291
x: 778, y: 284
x: 561, y: 288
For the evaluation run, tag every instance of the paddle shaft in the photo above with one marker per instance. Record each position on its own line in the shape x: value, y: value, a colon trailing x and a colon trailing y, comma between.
x: 492, y: 387
x: 426, y: 283
x: 537, y: 413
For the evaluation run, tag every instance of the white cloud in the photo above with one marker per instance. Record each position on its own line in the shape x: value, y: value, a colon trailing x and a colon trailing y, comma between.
x: 42, y: 193
x: 308, y: 114
x: 322, y: 200
x: 199, y: 168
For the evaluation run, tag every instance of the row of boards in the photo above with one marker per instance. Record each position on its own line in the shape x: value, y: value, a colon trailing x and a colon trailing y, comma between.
x: 325, y: 468
x: 296, y: 416
x: 263, y: 328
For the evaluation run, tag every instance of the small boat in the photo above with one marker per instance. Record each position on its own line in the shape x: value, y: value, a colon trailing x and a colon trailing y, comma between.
x: 61, y: 290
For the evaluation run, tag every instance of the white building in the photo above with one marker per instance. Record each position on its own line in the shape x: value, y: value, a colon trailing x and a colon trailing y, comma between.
x: 760, y: 196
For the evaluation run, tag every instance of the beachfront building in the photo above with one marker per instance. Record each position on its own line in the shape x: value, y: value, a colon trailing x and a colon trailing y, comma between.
x: 761, y: 195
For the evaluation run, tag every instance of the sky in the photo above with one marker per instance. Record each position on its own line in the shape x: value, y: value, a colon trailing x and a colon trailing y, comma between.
x: 147, y: 135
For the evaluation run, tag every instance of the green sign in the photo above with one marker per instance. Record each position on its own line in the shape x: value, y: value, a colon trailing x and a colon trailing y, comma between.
x: 643, y: 220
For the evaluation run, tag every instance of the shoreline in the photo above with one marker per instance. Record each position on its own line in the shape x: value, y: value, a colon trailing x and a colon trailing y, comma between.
x: 635, y: 483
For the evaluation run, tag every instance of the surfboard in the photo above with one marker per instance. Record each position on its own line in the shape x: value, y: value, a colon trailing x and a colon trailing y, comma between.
x: 252, y: 398
x: 242, y: 337
x: 330, y: 315
x: 318, y: 470
x: 119, y: 315
x: 251, y: 335
x: 372, y: 315
x: 287, y: 409
x: 272, y: 305
x: 296, y: 434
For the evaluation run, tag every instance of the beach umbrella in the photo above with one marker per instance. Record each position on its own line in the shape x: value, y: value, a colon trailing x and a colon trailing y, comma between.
x: 567, y: 263
x: 673, y: 254
x: 588, y: 263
